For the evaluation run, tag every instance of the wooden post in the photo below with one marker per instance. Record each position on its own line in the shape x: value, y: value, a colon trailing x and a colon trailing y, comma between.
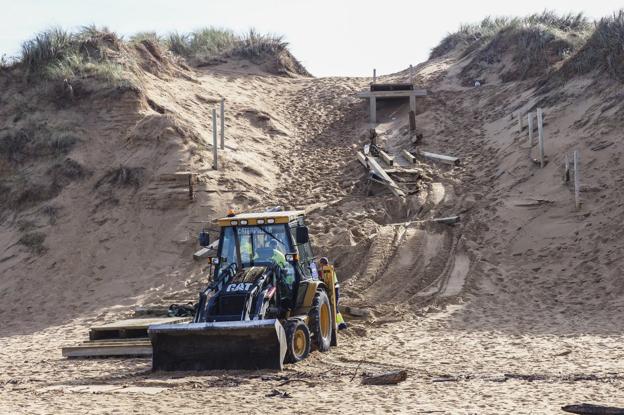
x: 540, y: 134
x: 413, y: 103
x: 530, y: 127
x: 411, y: 74
x: 374, y: 75
x: 412, y: 121
x: 214, y: 139
x: 190, y: 186
x: 373, y: 109
x: 577, y: 179
x: 222, y: 123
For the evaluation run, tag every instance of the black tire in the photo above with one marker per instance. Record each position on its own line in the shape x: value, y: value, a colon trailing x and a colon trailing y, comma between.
x: 297, y: 341
x: 321, y: 341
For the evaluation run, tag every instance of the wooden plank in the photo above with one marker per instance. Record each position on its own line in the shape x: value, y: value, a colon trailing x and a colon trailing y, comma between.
x: 387, y: 158
x: 178, y: 177
x: 409, y: 156
x: 450, y: 220
x: 375, y: 168
x: 440, y: 157
x: 137, y: 323
x: 215, y: 159
x: 108, y: 350
x: 393, y: 94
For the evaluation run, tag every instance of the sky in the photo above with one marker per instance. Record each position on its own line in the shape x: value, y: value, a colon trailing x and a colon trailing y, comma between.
x: 330, y: 37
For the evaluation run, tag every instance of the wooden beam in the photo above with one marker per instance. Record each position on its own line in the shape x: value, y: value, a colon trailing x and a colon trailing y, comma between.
x: 376, y: 169
x: 140, y: 349
x: 393, y: 94
x: 440, y: 157
x: 589, y: 409
x: 409, y: 156
x: 387, y: 158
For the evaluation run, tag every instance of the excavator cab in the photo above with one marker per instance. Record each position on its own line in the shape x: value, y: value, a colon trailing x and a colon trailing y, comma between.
x: 265, y: 303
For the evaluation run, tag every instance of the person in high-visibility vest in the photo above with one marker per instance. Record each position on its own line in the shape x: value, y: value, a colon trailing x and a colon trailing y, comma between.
x: 339, y: 319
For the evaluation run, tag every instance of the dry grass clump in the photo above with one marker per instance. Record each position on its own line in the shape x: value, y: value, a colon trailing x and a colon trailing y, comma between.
x: 34, y: 242
x: 57, y: 54
x: 122, y: 177
x: 27, y: 144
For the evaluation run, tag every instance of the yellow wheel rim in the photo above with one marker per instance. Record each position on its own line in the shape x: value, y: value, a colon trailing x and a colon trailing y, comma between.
x: 325, y: 320
x: 299, y: 343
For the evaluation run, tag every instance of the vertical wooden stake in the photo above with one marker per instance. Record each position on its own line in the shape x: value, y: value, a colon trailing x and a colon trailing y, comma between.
x: 411, y: 74
x: 530, y: 126
x: 222, y: 123
x: 190, y: 186
x: 374, y: 75
x: 412, y: 99
x: 214, y: 140
x: 577, y: 179
x: 540, y: 134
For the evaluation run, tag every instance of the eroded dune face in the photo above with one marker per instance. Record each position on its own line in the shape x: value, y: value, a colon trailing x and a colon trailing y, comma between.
x: 525, y: 284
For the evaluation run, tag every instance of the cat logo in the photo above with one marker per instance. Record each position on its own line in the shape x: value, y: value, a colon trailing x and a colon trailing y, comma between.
x: 243, y: 286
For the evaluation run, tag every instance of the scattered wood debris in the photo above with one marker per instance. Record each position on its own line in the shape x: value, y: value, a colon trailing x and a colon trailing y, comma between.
x: 601, y: 146
x: 388, y: 378
x: 440, y: 157
x: 450, y: 220
x: 590, y: 409
x: 276, y: 392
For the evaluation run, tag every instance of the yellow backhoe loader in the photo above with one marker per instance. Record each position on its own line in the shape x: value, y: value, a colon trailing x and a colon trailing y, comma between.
x: 267, y: 303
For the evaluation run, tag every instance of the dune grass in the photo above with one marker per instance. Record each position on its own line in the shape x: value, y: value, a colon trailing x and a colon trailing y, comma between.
x: 604, y: 50
x: 210, y: 43
x: 57, y: 54
x: 479, y: 33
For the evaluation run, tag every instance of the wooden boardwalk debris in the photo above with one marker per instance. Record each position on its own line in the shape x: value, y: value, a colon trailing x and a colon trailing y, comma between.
x: 389, y: 378
x: 408, y: 156
x: 120, y: 338
x: 374, y: 167
x: 440, y: 157
x: 387, y: 158
x: 130, y: 328
x: 450, y: 220
x: 589, y: 409
x: 109, y: 348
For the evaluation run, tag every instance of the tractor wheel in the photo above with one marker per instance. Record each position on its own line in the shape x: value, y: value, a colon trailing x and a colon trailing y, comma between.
x: 297, y: 341
x: 321, y: 321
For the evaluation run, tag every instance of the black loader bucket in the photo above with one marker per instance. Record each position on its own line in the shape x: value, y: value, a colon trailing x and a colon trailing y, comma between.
x: 256, y: 344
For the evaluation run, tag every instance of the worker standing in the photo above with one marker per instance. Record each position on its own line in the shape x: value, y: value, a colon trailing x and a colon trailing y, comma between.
x: 330, y: 268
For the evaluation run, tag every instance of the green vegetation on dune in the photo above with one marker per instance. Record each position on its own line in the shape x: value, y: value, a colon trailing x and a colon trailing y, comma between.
x: 488, y: 28
x: 539, y: 44
x: 57, y: 54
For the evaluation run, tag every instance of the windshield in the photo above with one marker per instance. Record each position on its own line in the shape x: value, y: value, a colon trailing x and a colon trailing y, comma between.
x: 258, y: 244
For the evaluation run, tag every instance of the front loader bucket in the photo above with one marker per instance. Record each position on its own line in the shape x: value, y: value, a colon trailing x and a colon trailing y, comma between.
x: 256, y: 344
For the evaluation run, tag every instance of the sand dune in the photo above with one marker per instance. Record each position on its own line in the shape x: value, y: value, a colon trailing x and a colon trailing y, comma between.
x: 516, y: 309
